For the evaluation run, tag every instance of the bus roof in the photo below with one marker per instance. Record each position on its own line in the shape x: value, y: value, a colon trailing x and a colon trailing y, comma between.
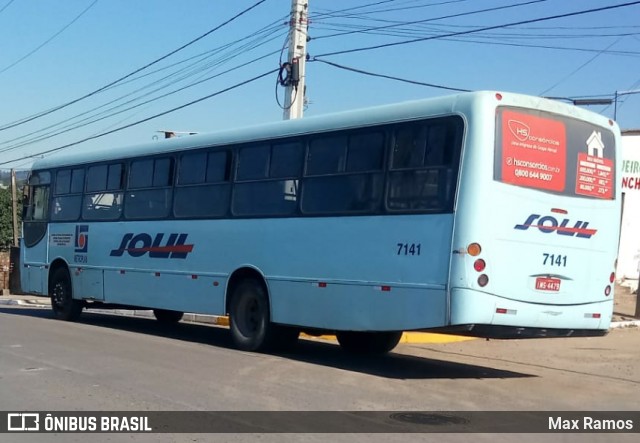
x: 458, y: 103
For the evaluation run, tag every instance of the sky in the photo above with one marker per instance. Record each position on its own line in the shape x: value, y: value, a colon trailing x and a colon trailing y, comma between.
x: 56, y: 53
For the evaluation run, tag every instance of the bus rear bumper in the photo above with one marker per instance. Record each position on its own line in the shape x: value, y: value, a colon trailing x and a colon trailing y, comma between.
x: 510, y: 332
x: 487, y: 315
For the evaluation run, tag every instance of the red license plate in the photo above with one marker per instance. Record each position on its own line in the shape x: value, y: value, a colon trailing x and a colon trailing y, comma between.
x: 548, y: 284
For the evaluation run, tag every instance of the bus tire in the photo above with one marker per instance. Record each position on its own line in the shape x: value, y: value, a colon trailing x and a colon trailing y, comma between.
x: 167, y: 317
x: 64, y: 306
x: 370, y: 343
x: 249, y: 317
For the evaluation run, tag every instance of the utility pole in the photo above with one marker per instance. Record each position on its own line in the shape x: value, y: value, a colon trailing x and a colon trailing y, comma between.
x: 14, y: 200
x: 294, y: 92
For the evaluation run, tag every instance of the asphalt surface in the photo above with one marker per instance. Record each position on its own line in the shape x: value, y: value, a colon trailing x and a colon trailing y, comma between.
x: 110, y: 362
x: 408, y: 337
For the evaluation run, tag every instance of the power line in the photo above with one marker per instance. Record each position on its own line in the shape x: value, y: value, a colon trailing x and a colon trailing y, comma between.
x: 108, y: 112
x: 92, y: 93
x: 207, y: 54
x: 461, y: 14
x: 402, y: 31
x: 487, y: 28
x: 372, y: 74
x: 560, y: 48
x: 579, y: 67
x: 6, y: 6
x: 64, y: 28
x: 331, y: 13
x: 130, y: 125
x: 87, y: 121
x: 402, y: 8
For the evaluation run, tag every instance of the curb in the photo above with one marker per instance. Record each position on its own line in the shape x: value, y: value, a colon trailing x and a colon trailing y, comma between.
x: 32, y: 303
x: 625, y: 324
x: 220, y: 320
x: 217, y: 320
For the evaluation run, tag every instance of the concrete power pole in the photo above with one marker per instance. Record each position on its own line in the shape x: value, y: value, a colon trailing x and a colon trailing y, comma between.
x: 294, y: 92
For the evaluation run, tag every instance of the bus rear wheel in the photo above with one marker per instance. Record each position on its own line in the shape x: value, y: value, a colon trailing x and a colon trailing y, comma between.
x: 370, y: 343
x: 167, y: 317
x: 64, y: 306
x: 250, y: 320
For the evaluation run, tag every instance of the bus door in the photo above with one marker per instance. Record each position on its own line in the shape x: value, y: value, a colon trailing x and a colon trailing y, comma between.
x: 34, y: 246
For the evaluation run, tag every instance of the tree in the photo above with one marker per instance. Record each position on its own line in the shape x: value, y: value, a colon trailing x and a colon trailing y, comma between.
x: 6, y: 218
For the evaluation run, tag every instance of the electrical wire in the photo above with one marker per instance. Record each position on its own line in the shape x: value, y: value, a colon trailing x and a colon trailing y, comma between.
x: 372, y: 74
x: 6, y: 6
x: 84, y: 123
x: 579, y: 68
x: 461, y: 14
x: 130, y: 125
x: 331, y: 13
x: 96, y: 91
x: 109, y: 111
x: 378, y: 11
x: 559, y: 48
x: 421, y: 30
x: 491, y: 39
x: 487, y: 28
x: 33, y: 51
x: 279, y: 76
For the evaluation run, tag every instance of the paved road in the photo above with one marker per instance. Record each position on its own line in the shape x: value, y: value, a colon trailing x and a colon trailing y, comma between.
x: 108, y: 362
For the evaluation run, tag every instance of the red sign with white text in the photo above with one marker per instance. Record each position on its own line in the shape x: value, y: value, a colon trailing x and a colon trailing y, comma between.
x: 533, y: 151
x: 595, y: 176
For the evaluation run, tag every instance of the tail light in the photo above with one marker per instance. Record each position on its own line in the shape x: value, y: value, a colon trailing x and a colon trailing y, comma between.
x: 479, y: 265
x: 474, y: 249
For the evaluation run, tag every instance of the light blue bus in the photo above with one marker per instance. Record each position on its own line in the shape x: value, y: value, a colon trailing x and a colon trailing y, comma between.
x: 487, y: 214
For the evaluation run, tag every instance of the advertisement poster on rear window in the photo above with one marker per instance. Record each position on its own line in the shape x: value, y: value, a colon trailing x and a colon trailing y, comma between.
x: 552, y: 153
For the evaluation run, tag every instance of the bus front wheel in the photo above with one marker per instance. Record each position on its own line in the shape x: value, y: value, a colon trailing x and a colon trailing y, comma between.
x: 368, y: 342
x: 64, y: 306
x: 167, y: 317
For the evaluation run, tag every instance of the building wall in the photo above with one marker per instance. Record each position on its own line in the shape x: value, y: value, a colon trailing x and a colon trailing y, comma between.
x: 629, y: 252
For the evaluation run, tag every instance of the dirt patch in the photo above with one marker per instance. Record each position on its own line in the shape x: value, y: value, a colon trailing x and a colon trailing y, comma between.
x: 624, y: 305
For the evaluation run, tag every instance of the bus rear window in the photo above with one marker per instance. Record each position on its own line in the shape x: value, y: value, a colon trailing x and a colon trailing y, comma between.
x: 552, y: 153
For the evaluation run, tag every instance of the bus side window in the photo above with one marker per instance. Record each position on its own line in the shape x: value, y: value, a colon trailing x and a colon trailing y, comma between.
x: 150, y: 189
x: 67, y: 195
x: 260, y: 188
x: 202, y: 185
x: 40, y: 207
x: 344, y: 173
x: 103, y: 197
x: 422, y: 175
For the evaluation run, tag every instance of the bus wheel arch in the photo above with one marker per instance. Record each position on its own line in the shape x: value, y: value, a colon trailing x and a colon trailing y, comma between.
x: 63, y: 305
x: 249, y: 307
x: 239, y: 275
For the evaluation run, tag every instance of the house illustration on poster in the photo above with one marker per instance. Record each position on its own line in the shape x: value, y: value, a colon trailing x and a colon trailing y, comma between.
x: 595, y: 145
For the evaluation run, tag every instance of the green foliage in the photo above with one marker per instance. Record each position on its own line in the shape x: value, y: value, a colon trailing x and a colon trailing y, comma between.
x: 6, y: 218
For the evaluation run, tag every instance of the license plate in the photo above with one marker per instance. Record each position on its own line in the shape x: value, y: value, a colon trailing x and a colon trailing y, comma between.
x: 548, y: 284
